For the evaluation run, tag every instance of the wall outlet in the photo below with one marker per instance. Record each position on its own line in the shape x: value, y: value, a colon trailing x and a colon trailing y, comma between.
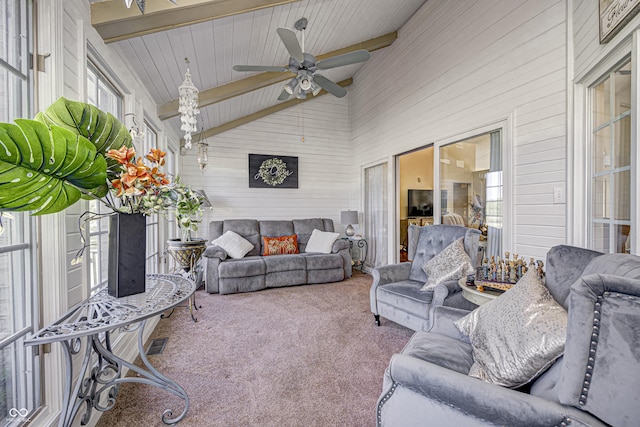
x: 558, y: 195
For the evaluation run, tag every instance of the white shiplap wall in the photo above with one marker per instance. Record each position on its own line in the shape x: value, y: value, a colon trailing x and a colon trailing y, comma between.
x: 458, y: 66
x: 588, y: 50
x: 324, y: 165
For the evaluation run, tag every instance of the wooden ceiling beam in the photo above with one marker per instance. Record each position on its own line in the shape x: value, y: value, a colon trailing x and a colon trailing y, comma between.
x: 258, y: 115
x: 259, y: 81
x: 115, y: 22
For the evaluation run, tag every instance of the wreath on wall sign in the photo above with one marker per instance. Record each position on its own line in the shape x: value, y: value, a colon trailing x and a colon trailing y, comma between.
x: 273, y: 171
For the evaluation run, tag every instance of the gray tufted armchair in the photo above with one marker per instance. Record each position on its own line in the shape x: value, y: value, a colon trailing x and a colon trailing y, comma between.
x: 595, y: 383
x: 396, y: 290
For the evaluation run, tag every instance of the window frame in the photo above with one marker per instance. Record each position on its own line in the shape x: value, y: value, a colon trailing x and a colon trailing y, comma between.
x: 98, y: 229
x: 154, y: 219
x: 25, y: 297
x: 579, y: 166
x: 612, y: 172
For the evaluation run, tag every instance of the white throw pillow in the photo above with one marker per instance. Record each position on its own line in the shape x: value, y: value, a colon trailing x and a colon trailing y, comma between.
x: 321, y: 241
x: 233, y: 244
x: 450, y: 264
x: 517, y: 336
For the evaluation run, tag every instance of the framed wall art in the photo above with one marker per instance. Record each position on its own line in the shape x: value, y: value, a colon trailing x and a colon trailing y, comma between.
x: 614, y: 15
x: 269, y: 171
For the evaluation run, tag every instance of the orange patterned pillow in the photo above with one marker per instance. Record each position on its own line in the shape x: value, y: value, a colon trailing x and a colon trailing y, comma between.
x: 280, y: 245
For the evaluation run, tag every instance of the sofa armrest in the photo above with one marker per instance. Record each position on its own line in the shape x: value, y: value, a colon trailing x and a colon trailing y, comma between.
x: 340, y: 245
x: 443, y: 319
x: 477, y: 401
x: 387, y: 274
x: 443, y: 290
x: 213, y: 251
x: 212, y: 257
x: 390, y: 273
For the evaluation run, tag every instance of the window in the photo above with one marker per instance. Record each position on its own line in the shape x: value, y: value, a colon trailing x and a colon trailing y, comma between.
x: 610, y: 163
x: 153, y: 249
x: 102, y: 94
x: 172, y: 225
x: 19, y: 372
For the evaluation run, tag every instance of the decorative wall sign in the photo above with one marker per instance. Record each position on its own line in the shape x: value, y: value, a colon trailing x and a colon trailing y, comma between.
x: 268, y: 171
x: 614, y: 15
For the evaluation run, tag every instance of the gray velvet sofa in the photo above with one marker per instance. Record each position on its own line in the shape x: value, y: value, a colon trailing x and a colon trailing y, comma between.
x: 396, y: 290
x: 595, y: 383
x: 225, y: 275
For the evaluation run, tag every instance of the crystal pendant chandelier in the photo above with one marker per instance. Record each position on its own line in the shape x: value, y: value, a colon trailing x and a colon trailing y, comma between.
x: 188, y: 107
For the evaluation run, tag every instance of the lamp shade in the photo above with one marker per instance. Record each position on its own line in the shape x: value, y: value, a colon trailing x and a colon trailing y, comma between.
x: 348, y: 217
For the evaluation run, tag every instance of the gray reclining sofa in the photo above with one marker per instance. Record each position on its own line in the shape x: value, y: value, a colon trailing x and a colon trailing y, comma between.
x: 225, y: 275
x: 595, y: 383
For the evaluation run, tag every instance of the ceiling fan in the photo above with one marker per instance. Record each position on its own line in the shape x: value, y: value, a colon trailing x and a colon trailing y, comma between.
x: 304, y: 65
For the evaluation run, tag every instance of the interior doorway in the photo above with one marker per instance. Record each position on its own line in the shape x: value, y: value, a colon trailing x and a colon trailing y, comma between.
x: 416, y: 191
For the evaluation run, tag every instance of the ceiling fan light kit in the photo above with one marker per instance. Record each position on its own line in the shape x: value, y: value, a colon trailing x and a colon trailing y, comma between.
x: 304, y: 65
x: 291, y: 85
x: 305, y: 83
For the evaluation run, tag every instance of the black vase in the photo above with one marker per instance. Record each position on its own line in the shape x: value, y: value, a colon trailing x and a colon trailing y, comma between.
x: 127, y: 254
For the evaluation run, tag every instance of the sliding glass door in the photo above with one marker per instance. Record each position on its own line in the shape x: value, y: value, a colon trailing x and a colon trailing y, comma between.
x: 471, y: 187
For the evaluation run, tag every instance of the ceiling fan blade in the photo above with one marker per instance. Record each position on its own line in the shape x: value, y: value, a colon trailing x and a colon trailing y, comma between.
x: 345, y: 59
x: 290, y: 41
x: 284, y: 95
x: 258, y: 68
x: 329, y: 86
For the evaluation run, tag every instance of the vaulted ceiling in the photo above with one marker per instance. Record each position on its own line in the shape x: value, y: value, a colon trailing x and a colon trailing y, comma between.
x: 214, y: 35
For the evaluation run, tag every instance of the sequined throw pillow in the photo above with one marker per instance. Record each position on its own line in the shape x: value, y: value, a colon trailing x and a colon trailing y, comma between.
x: 450, y: 264
x: 280, y: 245
x: 517, y: 336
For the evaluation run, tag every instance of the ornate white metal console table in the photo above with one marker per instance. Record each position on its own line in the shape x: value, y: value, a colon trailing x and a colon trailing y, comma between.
x: 95, y: 319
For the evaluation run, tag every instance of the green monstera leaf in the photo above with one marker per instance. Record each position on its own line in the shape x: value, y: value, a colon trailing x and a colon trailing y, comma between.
x: 46, y: 169
x: 101, y: 128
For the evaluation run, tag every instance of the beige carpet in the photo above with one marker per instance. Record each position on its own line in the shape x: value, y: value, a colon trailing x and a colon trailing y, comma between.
x: 297, y: 356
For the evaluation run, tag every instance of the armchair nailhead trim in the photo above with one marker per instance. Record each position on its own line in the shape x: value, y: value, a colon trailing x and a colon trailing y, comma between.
x: 566, y: 421
x: 384, y: 399
x: 592, y: 349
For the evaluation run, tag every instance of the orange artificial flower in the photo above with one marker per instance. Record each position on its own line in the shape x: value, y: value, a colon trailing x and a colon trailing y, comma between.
x: 123, y: 155
x: 158, y: 178
x: 156, y: 156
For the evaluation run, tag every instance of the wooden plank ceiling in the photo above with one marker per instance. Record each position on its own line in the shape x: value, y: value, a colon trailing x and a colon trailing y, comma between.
x: 216, y: 34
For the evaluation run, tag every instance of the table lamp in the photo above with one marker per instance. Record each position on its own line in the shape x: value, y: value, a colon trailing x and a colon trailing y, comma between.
x: 349, y: 217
